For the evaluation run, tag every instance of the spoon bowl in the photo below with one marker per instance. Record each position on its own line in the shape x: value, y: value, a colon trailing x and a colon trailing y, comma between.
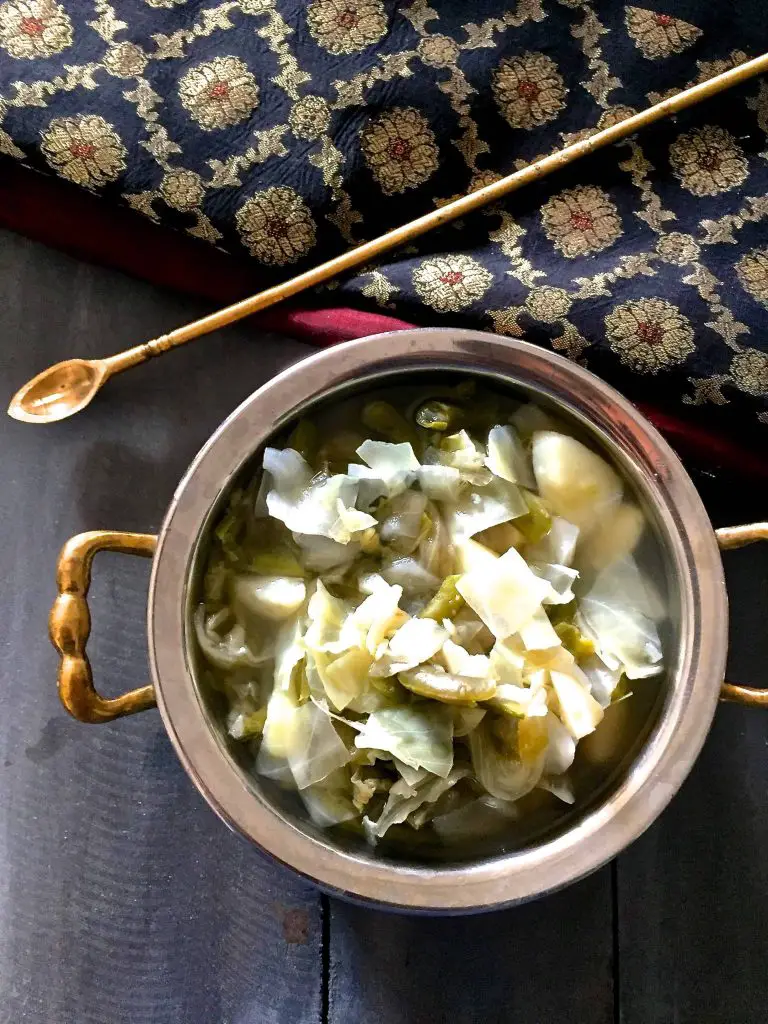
x: 59, y: 391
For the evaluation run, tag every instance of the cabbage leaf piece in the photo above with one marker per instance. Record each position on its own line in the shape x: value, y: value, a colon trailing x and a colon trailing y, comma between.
x: 402, y: 803
x: 411, y: 575
x: 461, y: 452
x: 329, y: 802
x: 229, y: 650
x: 574, y: 481
x: 538, y: 633
x: 440, y: 483
x: 349, y: 521
x: 499, y: 772
x: 561, y: 748
x: 484, y: 816
x: 507, y: 457
x: 520, y: 701
x: 321, y: 554
x: 619, y: 614
x: 558, y: 546
x: 370, y: 486
x: 578, y: 710
x: 482, y: 508
x: 560, y: 577
x: 618, y: 536
x: 461, y: 663
x: 603, y: 680
x: 419, y: 735
x: 374, y: 619
x: 417, y: 640
x: 505, y: 593
x: 559, y: 786
x: 394, y: 464
x: 280, y: 727
x: 507, y: 660
x: 345, y: 677
x: 313, y: 749
x: 327, y: 615
x: 318, y: 505
x: 402, y: 521
x: 270, y: 597
x: 289, y: 652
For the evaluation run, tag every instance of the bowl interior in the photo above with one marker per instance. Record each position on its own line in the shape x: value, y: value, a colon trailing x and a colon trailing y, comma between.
x: 603, y: 759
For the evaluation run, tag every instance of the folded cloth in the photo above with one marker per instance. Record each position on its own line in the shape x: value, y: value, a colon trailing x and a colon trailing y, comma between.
x: 289, y: 131
x: 56, y: 213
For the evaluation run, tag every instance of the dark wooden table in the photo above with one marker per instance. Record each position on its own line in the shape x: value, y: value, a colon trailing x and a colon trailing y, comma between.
x: 123, y: 900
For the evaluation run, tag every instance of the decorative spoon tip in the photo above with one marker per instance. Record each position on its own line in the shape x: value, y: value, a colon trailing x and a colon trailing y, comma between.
x: 58, y: 392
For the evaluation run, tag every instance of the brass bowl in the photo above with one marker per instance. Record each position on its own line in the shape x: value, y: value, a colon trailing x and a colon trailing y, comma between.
x: 586, y: 839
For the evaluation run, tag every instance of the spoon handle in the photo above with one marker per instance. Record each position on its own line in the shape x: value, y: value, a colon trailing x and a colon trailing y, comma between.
x: 436, y: 218
x: 140, y: 353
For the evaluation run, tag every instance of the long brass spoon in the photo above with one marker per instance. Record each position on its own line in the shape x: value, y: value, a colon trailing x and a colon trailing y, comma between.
x: 68, y: 387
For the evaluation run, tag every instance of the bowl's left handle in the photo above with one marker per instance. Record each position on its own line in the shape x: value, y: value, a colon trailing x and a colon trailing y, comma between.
x: 70, y: 626
x: 738, y: 537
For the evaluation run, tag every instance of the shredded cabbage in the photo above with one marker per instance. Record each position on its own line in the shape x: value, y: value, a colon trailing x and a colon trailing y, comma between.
x: 423, y: 637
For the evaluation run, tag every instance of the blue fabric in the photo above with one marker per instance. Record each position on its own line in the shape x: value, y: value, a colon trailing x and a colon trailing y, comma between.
x: 291, y: 131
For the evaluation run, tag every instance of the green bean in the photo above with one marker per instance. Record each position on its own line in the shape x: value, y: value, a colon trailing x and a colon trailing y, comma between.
x: 436, y: 415
x: 446, y: 687
x: 386, y: 686
x: 446, y: 603
x: 387, y: 421
x: 215, y: 581
x: 276, y: 563
x: 537, y: 522
x: 510, y: 708
x: 253, y: 724
x: 532, y: 738
x: 573, y: 640
x: 303, y: 439
x: 339, y: 450
x: 466, y: 389
x: 229, y: 529
x: 370, y: 542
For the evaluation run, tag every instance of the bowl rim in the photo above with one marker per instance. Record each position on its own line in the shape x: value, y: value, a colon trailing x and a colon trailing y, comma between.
x: 667, y: 754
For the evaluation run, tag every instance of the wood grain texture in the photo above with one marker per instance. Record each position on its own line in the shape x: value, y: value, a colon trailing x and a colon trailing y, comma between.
x: 693, y: 892
x: 123, y: 899
x: 547, y: 961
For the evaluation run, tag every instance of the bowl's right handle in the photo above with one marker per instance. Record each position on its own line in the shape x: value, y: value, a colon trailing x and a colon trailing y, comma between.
x: 70, y: 626
x: 737, y: 537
